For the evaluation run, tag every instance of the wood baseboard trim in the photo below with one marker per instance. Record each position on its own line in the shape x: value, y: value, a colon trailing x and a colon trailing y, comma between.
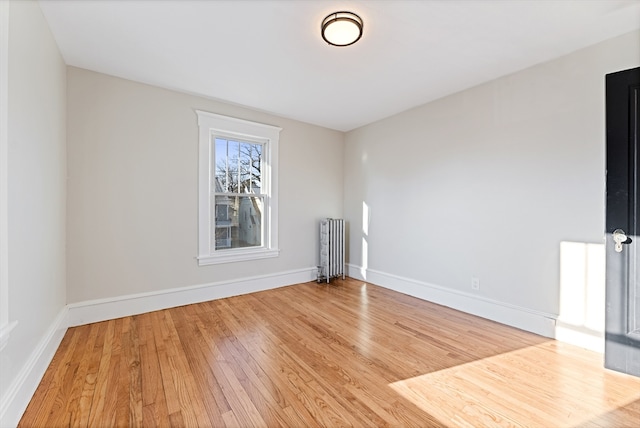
x: 538, y: 322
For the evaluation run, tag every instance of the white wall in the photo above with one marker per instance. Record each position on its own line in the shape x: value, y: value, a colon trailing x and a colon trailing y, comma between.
x: 132, y: 189
x: 36, y: 180
x: 486, y: 183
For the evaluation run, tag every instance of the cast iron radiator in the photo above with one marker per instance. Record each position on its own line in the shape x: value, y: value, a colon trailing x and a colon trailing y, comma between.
x: 331, y: 249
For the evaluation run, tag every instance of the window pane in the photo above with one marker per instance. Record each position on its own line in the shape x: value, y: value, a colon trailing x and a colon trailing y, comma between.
x: 227, y: 155
x: 256, y: 165
x: 238, y: 221
x: 221, y: 169
x: 223, y: 221
x: 245, y: 165
x: 233, y: 150
x: 250, y: 221
x: 223, y: 238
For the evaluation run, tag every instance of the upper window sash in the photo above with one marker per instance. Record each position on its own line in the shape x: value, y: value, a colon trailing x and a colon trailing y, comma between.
x: 238, y: 177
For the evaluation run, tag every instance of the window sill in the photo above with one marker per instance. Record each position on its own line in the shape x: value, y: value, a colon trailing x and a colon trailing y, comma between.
x: 231, y: 256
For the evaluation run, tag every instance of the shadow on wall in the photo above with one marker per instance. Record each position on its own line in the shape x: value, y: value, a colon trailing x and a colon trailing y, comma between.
x: 582, y: 295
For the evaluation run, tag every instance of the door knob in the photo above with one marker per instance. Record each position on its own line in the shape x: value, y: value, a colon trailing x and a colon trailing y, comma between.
x: 619, y: 238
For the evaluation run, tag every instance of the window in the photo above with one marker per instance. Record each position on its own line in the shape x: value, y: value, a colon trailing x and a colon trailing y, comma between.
x: 238, y: 200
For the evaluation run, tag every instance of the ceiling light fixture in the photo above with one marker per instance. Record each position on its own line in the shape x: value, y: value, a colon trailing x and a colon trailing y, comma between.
x: 342, y: 28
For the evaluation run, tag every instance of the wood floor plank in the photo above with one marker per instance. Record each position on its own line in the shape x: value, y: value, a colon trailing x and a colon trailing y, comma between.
x: 112, y: 385
x: 73, y: 414
x: 43, y: 407
x: 178, y: 377
x: 96, y: 412
x: 89, y: 381
x: 316, y: 355
x: 154, y: 406
x: 134, y: 374
x: 197, y: 354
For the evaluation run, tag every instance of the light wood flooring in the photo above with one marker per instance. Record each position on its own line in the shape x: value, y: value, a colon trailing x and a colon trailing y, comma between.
x: 309, y: 355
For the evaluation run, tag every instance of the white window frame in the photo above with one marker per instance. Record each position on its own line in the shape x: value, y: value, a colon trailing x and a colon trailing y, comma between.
x: 5, y: 325
x: 213, y: 125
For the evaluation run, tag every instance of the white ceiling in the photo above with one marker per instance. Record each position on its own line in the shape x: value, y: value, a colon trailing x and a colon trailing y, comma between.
x: 268, y: 55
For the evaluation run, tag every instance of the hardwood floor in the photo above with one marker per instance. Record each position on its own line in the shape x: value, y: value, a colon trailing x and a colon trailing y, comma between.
x: 345, y: 354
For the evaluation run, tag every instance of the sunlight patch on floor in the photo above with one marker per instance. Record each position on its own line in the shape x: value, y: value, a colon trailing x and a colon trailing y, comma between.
x: 534, y: 386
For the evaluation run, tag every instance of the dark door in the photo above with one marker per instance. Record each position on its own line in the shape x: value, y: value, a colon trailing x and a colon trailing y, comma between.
x: 622, y: 329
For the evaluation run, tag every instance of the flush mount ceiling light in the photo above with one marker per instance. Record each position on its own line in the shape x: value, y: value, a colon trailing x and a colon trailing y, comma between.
x: 342, y: 28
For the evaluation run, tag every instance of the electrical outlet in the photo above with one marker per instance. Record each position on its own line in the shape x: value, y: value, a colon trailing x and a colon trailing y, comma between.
x: 475, y: 283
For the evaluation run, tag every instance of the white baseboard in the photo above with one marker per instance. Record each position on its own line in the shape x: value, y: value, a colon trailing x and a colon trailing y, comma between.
x: 133, y: 304
x: 17, y: 397
x: 541, y: 323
